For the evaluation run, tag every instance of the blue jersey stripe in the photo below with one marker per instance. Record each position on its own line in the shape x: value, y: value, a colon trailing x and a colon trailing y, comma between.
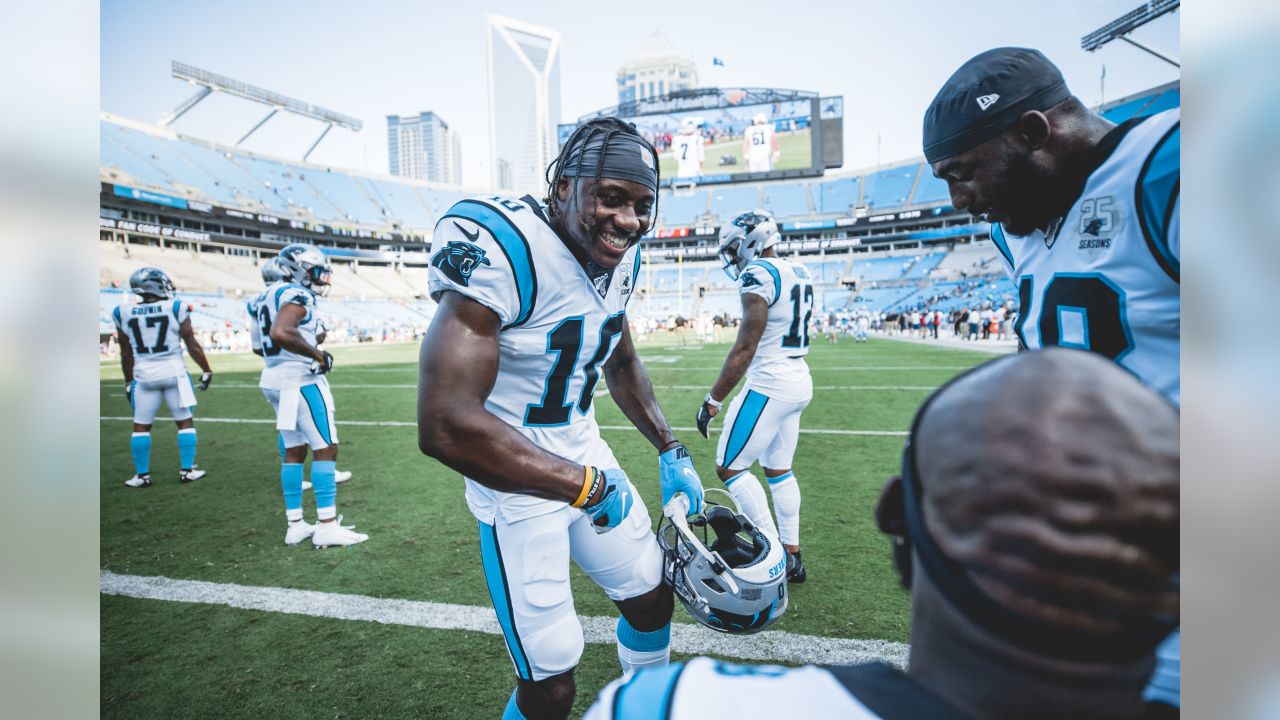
x: 777, y: 279
x: 513, y: 244
x: 997, y: 237
x: 648, y: 694
x: 319, y: 411
x: 743, y: 425
x: 495, y: 576
x: 1156, y: 193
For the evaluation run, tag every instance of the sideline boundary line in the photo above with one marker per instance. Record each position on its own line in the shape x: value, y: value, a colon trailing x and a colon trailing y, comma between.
x: 768, y: 646
x: 402, y: 423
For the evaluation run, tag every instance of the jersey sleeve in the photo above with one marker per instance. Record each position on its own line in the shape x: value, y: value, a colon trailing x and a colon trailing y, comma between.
x: 115, y: 318
x: 760, y: 278
x: 181, y: 311
x: 482, y: 254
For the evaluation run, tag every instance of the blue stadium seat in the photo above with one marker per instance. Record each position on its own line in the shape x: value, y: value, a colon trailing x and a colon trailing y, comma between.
x: 923, y: 266
x: 930, y: 189
x: 682, y: 209
x: 170, y: 168
x: 439, y: 201
x: 838, y: 196
x: 344, y: 193
x: 890, y: 188
x: 282, y: 182
x: 728, y: 201
x: 786, y: 200
x: 401, y: 202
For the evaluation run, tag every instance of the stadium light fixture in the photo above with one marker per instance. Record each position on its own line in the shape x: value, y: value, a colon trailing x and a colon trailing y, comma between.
x: 1120, y: 28
x: 210, y: 82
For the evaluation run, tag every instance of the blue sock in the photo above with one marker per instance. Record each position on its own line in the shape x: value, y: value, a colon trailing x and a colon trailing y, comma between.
x: 325, y: 487
x: 187, y: 440
x: 280, y: 444
x: 638, y: 650
x: 140, y: 446
x: 512, y: 712
x: 291, y: 484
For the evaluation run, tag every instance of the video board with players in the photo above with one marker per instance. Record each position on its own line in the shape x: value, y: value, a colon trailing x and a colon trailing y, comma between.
x: 733, y: 143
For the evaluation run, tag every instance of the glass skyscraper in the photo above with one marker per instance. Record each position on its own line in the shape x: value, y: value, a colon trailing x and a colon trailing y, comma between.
x: 524, y: 102
x: 423, y: 146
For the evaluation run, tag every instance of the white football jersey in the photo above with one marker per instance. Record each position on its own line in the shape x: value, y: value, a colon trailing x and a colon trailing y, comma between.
x: 1107, y: 278
x: 255, y: 328
x: 704, y: 687
x: 778, y: 368
x: 690, y: 152
x: 285, y: 368
x: 558, y: 328
x: 153, y: 332
x: 759, y: 140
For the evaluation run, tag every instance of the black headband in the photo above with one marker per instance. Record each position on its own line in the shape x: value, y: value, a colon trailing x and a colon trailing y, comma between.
x: 628, y: 157
x: 1136, y: 640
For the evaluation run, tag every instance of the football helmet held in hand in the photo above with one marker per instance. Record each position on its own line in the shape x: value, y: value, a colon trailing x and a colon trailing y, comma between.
x: 737, y: 583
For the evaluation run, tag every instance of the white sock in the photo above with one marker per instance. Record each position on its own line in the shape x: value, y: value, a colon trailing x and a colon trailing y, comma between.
x: 638, y: 650
x: 786, y: 502
x: 746, y: 490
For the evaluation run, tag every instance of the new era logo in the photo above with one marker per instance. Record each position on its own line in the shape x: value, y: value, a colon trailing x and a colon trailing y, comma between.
x: 986, y: 101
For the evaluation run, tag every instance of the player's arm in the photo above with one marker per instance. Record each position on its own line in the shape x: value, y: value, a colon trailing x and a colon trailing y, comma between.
x: 457, y: 368
x: 126, y: 355
x: 630, y: 388
x: 188, y: 335
x: 755, y: 315
x: 285, y: 333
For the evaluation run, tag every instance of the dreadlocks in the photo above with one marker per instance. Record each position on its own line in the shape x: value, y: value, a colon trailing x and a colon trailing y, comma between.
x: 595, y: 137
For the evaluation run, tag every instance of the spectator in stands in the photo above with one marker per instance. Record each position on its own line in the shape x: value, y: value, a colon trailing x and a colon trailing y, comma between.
x: 1037, y: 531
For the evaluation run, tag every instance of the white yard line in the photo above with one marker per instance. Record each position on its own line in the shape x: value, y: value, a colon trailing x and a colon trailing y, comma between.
x: 409, y: 386
x: 769, y: 646
x: 402, y: 423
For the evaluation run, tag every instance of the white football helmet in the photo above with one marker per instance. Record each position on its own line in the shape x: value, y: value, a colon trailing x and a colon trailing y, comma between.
x: 738, y: 583
x: 743, y: 239
x: 271, y: 272
x: 305, y: 265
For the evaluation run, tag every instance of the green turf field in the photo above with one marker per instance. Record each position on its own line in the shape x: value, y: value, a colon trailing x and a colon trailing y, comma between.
x: 192, y: 660
x: 794, y: 148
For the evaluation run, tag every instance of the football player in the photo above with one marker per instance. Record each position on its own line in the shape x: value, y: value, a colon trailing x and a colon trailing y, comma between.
x: 1024, y: 570
x: 532, y: 311
x: 295, y: 383
x: 151, y: 334
x: 1085, y: 214
x: 689, y: 148
x: 272, y: 274
x: 763, y: 421
x: 760, y: 145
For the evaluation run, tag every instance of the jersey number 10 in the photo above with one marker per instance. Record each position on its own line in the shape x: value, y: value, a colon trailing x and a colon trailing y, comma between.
x: 566, y: 342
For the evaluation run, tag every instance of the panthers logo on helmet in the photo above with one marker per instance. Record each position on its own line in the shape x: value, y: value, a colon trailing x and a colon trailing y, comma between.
x: 458, y: 260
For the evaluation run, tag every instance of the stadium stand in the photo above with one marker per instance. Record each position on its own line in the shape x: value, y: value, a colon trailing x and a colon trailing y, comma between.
x: 923, y: 266
x: 930, y: 189
x: 838, y: 196
x: 890, y: 187
x: 682, y: 209
x: 729, y: 200
x: 787, y: 200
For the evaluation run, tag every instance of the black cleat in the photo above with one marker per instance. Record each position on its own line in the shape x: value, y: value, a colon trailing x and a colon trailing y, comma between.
x: 795, y: 568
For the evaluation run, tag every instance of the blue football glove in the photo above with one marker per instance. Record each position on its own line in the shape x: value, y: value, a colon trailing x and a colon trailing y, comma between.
x: 614, y: 505
x: 677, y: 475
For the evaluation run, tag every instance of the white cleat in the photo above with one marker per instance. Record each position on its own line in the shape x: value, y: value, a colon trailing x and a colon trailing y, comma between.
x: 341, y: 476
x: 195, y: 473
x: 298, y: 531
x: 139, y: 481
x: 333, y: 534
x: 306, y: 485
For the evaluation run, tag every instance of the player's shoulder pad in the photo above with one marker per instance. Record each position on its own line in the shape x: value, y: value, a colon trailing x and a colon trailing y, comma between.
x: 480, y: 243
x: 291, y: 293
x: 761, y: 277
x: 1157, y: 190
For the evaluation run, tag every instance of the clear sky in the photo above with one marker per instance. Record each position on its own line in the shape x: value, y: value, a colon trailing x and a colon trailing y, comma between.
x: 887, y: 58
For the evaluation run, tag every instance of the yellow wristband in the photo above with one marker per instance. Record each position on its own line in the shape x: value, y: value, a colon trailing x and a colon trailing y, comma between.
x: 588, y: 486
